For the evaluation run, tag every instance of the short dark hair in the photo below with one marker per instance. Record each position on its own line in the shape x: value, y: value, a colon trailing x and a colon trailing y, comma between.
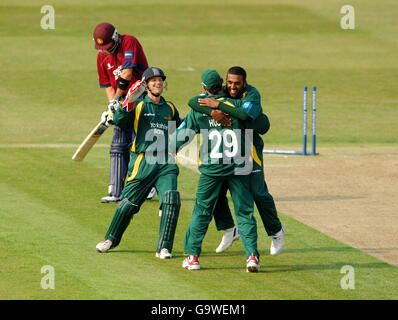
x: 239, y: 71
x: 215, y: 89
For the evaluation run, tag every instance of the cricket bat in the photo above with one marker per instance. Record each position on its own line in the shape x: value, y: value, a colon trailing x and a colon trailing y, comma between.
x: 89, y: 142
x: 133, y: 94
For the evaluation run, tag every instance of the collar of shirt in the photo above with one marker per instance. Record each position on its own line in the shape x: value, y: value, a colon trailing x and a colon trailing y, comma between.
x: 147, y: 99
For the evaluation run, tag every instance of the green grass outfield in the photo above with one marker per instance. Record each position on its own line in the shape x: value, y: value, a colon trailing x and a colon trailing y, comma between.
x: 52, y: 216
x: 49, y: 206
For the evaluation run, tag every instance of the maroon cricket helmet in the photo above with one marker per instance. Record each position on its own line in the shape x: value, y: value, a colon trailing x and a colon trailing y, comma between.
x: 104, y: 34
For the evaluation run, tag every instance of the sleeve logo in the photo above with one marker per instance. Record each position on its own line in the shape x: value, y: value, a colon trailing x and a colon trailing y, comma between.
x: 128, y: 55
x: 247, y: 105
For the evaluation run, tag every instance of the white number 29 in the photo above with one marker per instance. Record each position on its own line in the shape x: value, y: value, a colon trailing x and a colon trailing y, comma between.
x: 229, y: 140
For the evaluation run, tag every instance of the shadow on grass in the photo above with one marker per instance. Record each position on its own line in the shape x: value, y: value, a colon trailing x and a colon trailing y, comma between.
x: 326, y: 266
x: 285, y: 251
x: 267, y: 265
x: 188, y: 199
x: 265, y: 268
x: 319, y: 198
x: 240, y: 253
x: 319, y: 249
x: 131, y: 251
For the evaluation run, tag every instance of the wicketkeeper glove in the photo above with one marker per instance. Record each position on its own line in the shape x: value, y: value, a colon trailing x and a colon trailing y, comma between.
x: 107, y: 118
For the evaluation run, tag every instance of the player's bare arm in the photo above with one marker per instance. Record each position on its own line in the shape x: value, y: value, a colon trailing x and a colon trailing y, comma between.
x: 209, y: 102
x: 233, y: 109
x: 220, y: 117
x: 126, y: 75
x: 110, y: 93
x: 122, y: 85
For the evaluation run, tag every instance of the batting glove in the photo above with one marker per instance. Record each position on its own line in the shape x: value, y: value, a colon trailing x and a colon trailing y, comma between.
x: 107, y: 118
x: 114, y: 104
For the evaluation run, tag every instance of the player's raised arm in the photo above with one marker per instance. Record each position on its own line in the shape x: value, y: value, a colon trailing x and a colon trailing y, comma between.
x: 218, y: 115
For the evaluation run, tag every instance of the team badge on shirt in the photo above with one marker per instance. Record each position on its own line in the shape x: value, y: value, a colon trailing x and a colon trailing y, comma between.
x: 247, y: 105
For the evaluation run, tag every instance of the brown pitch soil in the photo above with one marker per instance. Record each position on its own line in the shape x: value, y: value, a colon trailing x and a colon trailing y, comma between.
x: 350, y: 194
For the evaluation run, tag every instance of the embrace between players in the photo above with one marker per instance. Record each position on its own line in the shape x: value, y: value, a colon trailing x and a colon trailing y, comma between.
x: 230, y: 120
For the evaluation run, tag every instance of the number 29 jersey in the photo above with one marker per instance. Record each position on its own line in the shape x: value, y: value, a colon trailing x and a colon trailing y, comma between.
x: 223, y: 147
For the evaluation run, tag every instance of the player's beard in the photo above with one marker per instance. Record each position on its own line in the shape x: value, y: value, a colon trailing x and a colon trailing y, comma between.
x: 237, y: 93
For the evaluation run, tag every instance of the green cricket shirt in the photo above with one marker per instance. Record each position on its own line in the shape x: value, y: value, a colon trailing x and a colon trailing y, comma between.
x: 223, y: 147
x: 251, y: 102
x: 150, y: 122
x: 247, y: 107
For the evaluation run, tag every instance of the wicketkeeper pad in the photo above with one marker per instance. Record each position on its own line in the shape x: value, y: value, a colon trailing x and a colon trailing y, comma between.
x: 168, y: 222
x: 123, y: 215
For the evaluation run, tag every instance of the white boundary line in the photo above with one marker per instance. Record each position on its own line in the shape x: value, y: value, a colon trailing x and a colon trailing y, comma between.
x: 45, y: 145
x: 189, y: 161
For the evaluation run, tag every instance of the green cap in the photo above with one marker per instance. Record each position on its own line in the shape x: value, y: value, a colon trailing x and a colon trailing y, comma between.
x: 210, y: 79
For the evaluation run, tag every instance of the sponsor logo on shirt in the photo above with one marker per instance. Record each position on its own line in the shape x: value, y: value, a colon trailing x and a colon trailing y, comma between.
x: 117, y: 72
x: 128, y: 54
x: 213, y: 123
x: 158, y: 125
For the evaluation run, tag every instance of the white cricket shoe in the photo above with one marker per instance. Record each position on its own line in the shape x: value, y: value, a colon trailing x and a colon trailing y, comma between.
x: 110, y: 198
x: 164, y: 254
x: 252, y: 264
x: 104, y: 246
x: 191, y: 263
x: 278, y: 242
x: 229, y: 236
x: 151, y: 194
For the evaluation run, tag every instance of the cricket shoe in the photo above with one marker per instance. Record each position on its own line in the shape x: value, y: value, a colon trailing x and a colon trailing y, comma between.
x: 104, y: 246
x: 278, y: 242
x: 229, y: 236
x: 252, y: 264
x: 110, y: 198
x: 164, y: 254
x: 151, y: 194
x: 191, y: 263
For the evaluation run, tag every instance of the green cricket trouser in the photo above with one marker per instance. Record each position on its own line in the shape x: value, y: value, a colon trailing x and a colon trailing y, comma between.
x: 206, y: 199
x: 263, y: 199
x: 142, y: 176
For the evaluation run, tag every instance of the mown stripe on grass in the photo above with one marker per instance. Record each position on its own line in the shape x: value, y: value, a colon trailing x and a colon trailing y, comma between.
x: 35, y: 235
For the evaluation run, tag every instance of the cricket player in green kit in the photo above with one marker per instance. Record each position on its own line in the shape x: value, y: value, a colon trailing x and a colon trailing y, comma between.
x: 152, y: 118
x: 218, y: 164
x: 248, y: 110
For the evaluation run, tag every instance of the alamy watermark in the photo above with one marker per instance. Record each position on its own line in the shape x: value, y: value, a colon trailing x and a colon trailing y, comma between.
x: 48, y: 280
x: 348, y: 20
x: 48, y: 20
x: 348, y: 280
